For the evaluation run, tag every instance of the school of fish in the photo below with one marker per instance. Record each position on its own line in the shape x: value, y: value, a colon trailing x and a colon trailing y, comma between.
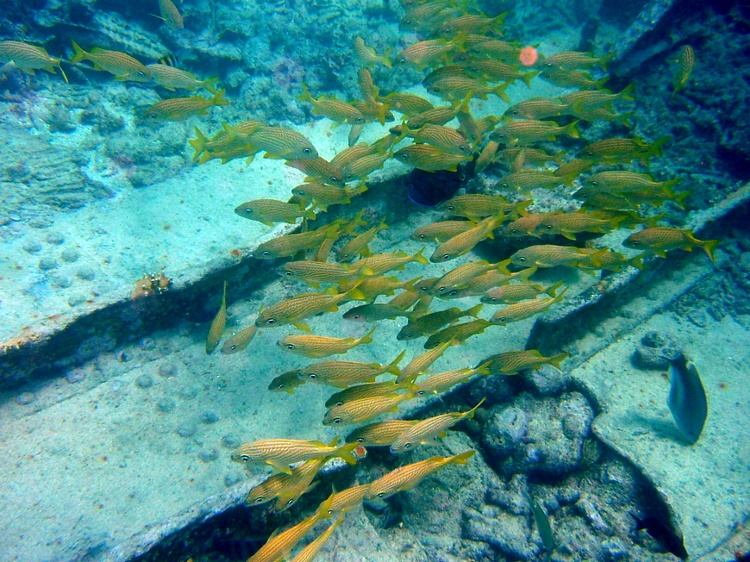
x: 464, y: 56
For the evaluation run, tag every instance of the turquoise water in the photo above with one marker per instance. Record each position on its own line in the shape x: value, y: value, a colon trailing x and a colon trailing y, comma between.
x: 125, y: 212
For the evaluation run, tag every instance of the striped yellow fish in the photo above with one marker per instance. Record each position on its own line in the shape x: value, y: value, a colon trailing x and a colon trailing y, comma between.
x: 408, y: 104
x: 526, y: 225
x: 660, y: 239
x: 286, y: 488
x: 465, y: 242
x: 336, y: 110
x: 512, y: 362
x: 623, y: 149
x: 460, y: 276
x: 538, y: 108
x: 367, y: 55
x: 271, y: 211
x: 170, y: 14
x: 217, y: 324
x: 525, y: 180
x: 430, y: 428
x: 528, y: 131
x: 457, y: 333
x: 586, y: 101
x: 429, y: 158
x: 518, y: 292
x: 685, y: 63
x: 311, y: 551
x: 361, y: 391
x: 29, y: 58
x: 571, y: 78
x: 472, y: 24
x: 324, y: 196
x: 317, y: 170
x: 381, y: 263
x: 176, y: 109
x: 290, y: 244
x: 240, y: 340
x: 498, y: 71
x: 550, y: 255
x: 475, y: 205
x: 280, y: 545
x: 441, y: 231
x: 441, y: 137
x: 314, y: 272
x: 424, y: 53
x: 348, y: 499
x: 365, y: 409
x: 281, y: 453
x: 522, y: 310
x: 356, y: 245
x: 300, y: 307
x: 569, y: 224
x: 173, y: 78
x: 322, y: 346
x: 420, y: 363
x: 380, y: 434
x: 343, y: 374
x: 442, y: 382
x: 408, y: 476
x: 281, y: 142
x: 570, y: 60
x: 123, y: 66
x: 457, y: 87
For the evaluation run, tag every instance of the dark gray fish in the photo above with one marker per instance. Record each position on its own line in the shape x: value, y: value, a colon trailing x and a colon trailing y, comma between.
x: 542, y: 525
x: 687, y: 398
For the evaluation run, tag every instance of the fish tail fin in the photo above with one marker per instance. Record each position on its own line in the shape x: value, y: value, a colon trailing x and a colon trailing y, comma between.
x: 367, y: 338
x: 305, y: 95
x: 419, y: 258
x: 483, y: 368
x: 209, y: 84
x: 709, y: 246
x: 199, y: 143
x: 345, y: 452
x: 218, y: 98
x: 552, y: 289
x: 470, y: 414
x: 528, y: 77
x: 499, y: 91
x: 78, y: 53
x: 525, y: 274
x: 679, y: 199
x: 462, y: 458
x: 386, y: 58
x: 557, y: 360
x: 309, y: 213
x: 655, y: 148
x: 627, y: 92
x: 393, y: 365
x: 572, y: 130
x: 474, y: 310
x: 637, y: 262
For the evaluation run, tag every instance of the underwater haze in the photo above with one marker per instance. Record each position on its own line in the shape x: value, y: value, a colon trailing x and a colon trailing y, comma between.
x: 375, y: 280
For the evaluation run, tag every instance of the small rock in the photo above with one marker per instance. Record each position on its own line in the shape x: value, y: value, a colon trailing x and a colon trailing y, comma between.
x: 144, y: 381
x: 61, y: 281
x: 186, y: 430
x: 231, y: 479
x: 122, y: 356
x: 86, y: 273
x: 32, y: 246
x: 167, y: 370
x: 208, y: 455
x: 76, y: 300
x: 209, y: 416
x: 75, y: 376
x: 166, y: 405
x: 655, y: 351
x: 147, y: 343
x: 55, y: 238
x: 45, y: 264
x: 69, y: 255
x: 230, y: 441
x: 25, y: 398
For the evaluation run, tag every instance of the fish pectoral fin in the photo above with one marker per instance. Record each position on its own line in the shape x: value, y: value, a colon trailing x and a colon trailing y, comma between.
x: 302, y: 326
x: 279, y: 466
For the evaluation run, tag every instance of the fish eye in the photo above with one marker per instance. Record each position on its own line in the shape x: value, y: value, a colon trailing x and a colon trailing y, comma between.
x: 248, y: 210
x: 244, y: 458
x: 462, y: 148
x: 505, y: 185
x: 307, y: 150
x: 407, y: 445
x: 313, y: 376
x: 421, y: 236
x: 453, y: 293
x: 140, y: 73
x: 232, y: 348
x: 339, y: 403
x: 259, y: 500
x: 522, y: 259
x: 266, y: 253
x: 361, y: 440
x: 594, y: 183
x: 634, y: 242
x: 271, y: 321
x: 450, y: 207
x: 514, y: 231
x: 337, y: 420
x: 404, y: 156
x: 402, y: 61
x: 446, y: 257
x: 334, y: 179
x: 502, y: 319
x: 356, y: 316
x: 290, y: 346
x: 381, y: 495
x: 289, y: 274
x: 548, y: 227
x: 493, y: 299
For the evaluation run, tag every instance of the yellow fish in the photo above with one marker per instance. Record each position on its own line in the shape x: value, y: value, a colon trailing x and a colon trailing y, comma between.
x: 585, y: 101
x: 170, y: 14
x: 300, y: 307
x: 312, y: 550
x: 286, y: 488
x: 271, y: 211
x: 356, y: 245
x: 408, y: 476
x: 286, y: 382
x: 529, y: 131
x: 281, y: 453
x: 491, y: 48
x: 123, y: 66
x: 240, y: 340
x: 360, y: 168
x: 475, y: 206
x: 512, y: 362
x: 437, y: 116
x: 456, y: 87
x: 343, y: 374
x: 289, y: 244
x: 498, y: 71
x: 483, y: 283
x: 571, y: 78
x: 29, y: 58
x: 420, y: 363
x: 336, y: 110
x: 426, y: 430
x: 460, y: 276
x: 569, y: 224
x: 526, y: 225
x: 550, y: 255
x: 517, y: 292
x: 441, y: 231
x: 380, y: 434
x: 408, y: 104
x: 367, y: 55
x: 465, y: 242
x: 458, y: 333
x: 281, y: 142
x: 173, y: 78
x: 429, y: 158
x: 323, y: 195
x: 522, y: 310
x: 317, y: 170
x: 660, y: 239
x: 685, y: 61
x: 538, y: 108
x: 381, y: 263
x: 441, y: 137
x: 280, y: 545
x: 315, y: 272
x: 424, y: 53
x: 360, y: 391
x: 570, y: 60
x: 348, y: 499
x: 573, y: 168
x: 530, y: 179
x: 217, y: 324
x: 322, y: 346
x: 365, y: 409
x: 624, y: 150
x: 472, y: 23
x: 442, y: 382
x: 176, y: 109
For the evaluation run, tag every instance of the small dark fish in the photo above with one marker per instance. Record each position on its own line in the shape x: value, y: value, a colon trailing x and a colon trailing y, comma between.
x: 542, y: 525
x: 687, y: 398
